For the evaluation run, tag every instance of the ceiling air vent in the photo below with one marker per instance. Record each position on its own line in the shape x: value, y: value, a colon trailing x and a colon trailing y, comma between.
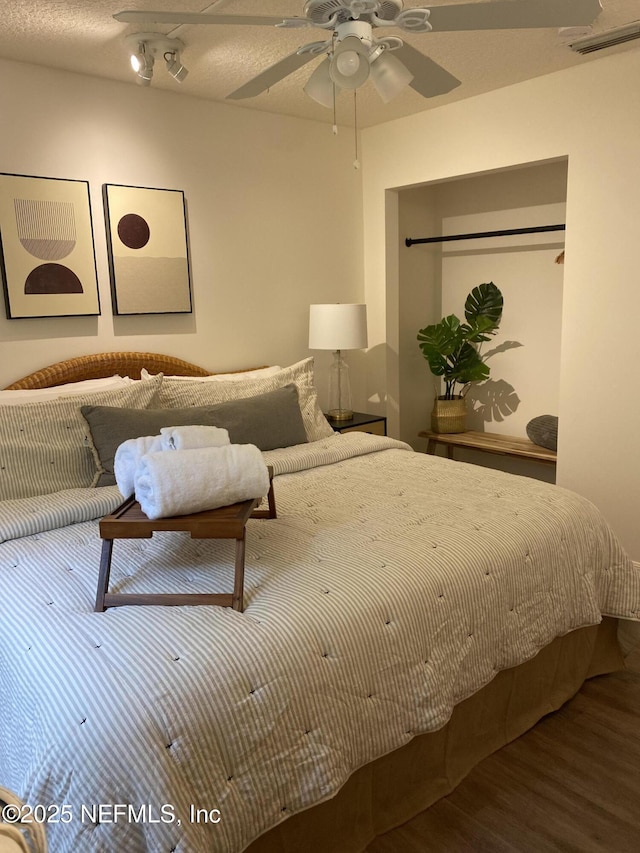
x: 610, y: 38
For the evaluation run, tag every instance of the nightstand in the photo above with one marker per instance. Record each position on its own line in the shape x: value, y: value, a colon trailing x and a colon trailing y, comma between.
x: 361, y: 422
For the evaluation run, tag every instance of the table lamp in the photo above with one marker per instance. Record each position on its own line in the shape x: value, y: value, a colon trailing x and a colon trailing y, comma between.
x: 338, y: 327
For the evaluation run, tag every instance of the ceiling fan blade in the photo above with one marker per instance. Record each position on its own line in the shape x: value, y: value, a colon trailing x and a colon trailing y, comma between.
x: 429, y: 78
x: 272, y: 75
x: 514, y: 14
x: 139, y: 17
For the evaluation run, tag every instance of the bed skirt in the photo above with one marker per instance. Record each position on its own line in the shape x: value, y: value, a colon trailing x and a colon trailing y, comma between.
x: 390, y: 791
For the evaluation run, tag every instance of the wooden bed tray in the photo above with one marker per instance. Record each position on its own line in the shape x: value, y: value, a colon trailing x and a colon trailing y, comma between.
x: 128, y: 521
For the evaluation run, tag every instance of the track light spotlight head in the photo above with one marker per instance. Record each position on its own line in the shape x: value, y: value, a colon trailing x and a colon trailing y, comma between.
x: 142, y: 63
x: 175, y: 66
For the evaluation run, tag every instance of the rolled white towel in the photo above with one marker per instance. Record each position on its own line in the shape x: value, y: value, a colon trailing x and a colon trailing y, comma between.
x: 193, y: 437
x: 168, y: 484
x: 127, y: 457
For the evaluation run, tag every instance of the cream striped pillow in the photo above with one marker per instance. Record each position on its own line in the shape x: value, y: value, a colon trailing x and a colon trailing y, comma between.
x: 177, y: 394
x: 43, y: 445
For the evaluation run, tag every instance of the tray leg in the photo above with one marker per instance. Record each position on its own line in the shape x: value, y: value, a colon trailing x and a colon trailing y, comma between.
x: 103, y: 577
x: 238, y: 586
x: 271, y: 498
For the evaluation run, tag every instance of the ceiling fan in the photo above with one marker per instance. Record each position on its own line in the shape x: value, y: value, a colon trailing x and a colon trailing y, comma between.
x: 354, y: 53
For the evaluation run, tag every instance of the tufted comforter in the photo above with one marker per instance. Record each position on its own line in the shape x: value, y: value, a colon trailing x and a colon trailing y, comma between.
x: 391, y: 586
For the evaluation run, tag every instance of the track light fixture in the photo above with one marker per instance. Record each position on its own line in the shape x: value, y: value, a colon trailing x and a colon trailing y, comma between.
x: 145, y: 47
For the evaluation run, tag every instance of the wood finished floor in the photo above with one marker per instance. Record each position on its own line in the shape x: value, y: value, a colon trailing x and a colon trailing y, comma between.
x: 571, y: 784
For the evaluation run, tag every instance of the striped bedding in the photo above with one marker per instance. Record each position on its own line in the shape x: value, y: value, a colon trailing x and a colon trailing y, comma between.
x: 391, y: 586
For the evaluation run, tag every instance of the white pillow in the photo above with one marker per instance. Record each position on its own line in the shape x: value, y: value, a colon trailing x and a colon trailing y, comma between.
x: 199, y: 392
x: 260, y: 372
x: 44, y: 446
x: 86, y: 386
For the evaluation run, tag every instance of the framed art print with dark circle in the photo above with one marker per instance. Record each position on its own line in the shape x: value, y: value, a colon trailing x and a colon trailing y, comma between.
x: 47, y: 253
x: 148, y: 251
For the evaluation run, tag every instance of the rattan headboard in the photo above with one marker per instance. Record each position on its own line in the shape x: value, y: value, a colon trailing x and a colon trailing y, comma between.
x: 107, y: 364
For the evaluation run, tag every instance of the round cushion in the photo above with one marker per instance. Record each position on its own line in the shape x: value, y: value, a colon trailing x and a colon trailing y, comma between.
x: 543, y: 431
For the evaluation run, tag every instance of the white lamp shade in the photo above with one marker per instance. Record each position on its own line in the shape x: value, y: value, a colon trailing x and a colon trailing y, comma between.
x: 349, y: 66
x: 389, y: 76
x: 338, y: 326
x: 320, y: 85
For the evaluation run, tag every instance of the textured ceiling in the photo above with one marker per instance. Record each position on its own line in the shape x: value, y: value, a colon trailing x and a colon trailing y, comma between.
x: 81, y: 36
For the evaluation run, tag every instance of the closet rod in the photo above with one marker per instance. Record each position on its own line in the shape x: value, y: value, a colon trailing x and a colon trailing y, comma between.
x: 410, y: 241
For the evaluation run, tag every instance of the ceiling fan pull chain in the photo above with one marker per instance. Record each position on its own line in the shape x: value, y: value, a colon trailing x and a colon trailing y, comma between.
x: 356, y: 162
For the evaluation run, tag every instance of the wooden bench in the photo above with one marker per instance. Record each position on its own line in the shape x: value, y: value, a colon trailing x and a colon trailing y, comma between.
x: 489, y: 442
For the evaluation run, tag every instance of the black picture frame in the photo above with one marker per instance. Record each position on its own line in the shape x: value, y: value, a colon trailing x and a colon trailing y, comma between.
x: 147, y: 244
x: 47, y: 252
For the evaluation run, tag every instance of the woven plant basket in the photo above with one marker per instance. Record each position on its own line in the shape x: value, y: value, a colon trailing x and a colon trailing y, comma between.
x: 449, y: 415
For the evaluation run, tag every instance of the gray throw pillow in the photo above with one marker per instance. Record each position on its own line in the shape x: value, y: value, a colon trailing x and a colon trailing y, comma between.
x: 267, y: 420
x: 178, y: 393
x: 543, y: 431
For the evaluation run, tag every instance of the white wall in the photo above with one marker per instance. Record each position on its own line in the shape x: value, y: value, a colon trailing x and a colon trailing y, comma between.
x: 274, y: 210
x: 419, y: 295
x: 591, y: 115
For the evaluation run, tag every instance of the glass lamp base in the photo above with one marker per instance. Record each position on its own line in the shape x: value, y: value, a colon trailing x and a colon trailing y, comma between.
x: 339, y: 415
x: 340, y: 408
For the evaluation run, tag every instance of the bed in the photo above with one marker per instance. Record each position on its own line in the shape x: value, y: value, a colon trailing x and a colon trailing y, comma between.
x: 405, y: 616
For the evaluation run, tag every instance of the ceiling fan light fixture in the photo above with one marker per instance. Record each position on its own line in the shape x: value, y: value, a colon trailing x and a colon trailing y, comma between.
x: 320, y: 86
x: 389, y: 76
x: 349, y: 67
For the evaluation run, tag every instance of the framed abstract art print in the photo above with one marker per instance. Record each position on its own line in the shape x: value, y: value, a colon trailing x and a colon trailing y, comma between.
x: 148, y: 252
x: 47, y: 256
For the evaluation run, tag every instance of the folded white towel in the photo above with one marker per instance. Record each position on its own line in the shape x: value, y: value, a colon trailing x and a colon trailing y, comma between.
x: 193, y: 437
x: 188, y: 481
x: 127, y: 457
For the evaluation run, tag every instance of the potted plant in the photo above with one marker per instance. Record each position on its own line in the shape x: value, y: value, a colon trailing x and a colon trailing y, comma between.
x: 452, y: 350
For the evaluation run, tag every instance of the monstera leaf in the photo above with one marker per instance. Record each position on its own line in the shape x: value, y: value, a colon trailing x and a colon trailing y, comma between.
x: 469, y: 367
x: 483, y: 311
x: 485, y: 301
x: 441, y: 340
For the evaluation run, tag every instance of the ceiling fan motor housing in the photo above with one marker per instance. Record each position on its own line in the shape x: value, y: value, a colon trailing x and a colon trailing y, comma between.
x: 322, y: 11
